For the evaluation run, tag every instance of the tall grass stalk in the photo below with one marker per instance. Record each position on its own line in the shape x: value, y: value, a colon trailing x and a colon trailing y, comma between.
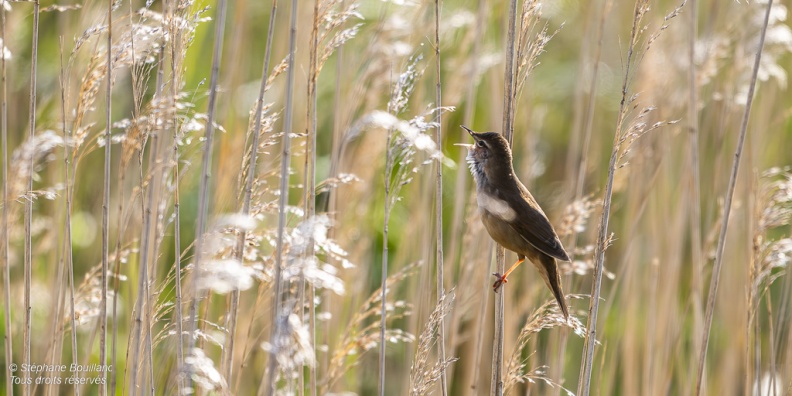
x: 783, y: 322
x: 68, y: 159
x: 391, y: 188
x: 268, y: 386
x: 384, y: 278
x: 106, y: 199
x: 174, y: 31
x: 439, y: 203
x: 773, y: 388
x: 144, y: 302
x: 9, y: 344
x: 228, y: 352
x: 584, y: 382
x: 146, y: 214
x: 144, y: 298
x: 54, y: 339
x: 309, y: 188
x: 332, y: 197
x: 388, y: 199
x: 507, y: 129
x: 716, y: 269
x: 200, y: 229
x: 27, y: 336
x: 181, y: 376
x: 398, y: 157
x: 753, y: 289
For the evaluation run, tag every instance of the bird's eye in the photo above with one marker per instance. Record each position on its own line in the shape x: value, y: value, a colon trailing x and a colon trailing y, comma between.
x: 480, y: 143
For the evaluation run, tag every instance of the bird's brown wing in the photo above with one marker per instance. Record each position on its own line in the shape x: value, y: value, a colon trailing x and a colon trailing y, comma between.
x: 533, y: 226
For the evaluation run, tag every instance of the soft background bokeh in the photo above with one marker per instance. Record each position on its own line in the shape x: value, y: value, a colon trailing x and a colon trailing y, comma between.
x: 658, y: 271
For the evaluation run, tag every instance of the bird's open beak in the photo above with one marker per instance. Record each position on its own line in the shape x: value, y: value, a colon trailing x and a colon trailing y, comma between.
x: 472, y: 134
x: 470, y: 131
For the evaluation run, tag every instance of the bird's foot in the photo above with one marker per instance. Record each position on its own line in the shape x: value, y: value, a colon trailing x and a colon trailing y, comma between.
x: 500, y: 281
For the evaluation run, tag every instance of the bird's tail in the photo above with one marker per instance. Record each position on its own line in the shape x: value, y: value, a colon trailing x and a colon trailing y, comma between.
x: 552, y: 277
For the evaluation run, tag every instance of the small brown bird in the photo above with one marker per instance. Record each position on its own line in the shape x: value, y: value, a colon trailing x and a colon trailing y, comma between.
x: 511, y: 215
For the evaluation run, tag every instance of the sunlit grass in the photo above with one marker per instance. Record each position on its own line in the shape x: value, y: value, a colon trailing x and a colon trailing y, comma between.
x: 361, y: 176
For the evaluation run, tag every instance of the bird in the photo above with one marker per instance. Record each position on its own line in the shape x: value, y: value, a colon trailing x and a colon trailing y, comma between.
x: 510, y: 213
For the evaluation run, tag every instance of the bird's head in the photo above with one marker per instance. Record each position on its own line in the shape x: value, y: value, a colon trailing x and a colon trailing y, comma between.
x: 489, y: 157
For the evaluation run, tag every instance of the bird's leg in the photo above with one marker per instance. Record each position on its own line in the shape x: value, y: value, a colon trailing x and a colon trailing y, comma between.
x: 502, y: 278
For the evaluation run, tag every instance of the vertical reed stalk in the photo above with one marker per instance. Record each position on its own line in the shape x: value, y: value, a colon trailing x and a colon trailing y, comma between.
x: 228, y: 352
x: 149, y: 345
x: 27, y: 339
x: 106, y: 200
x: 182, y: 377
x: 146, y: 213
x: 384, y: 277
x: 773, y: 388
x: 496, y: 385
x: 203, y: 188
x: 713, y: 291
x: 309, y: 188
x: 268, y: 387
x: 584, y: 382
x: 144, y: 303
x: 783, y: 322
x: 330, y: 205
x: 58, y: 301
x: 9, y: 353
x: 68, y: 159
x: 144, y: 299
x: 116, y: 287
x: 439, y: 203
x: 384, y: 284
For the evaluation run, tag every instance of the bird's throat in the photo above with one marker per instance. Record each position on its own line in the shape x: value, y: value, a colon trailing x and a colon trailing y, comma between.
x: 477, y: 170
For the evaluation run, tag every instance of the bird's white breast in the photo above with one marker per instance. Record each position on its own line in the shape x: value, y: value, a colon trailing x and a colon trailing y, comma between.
x: 495, y: 206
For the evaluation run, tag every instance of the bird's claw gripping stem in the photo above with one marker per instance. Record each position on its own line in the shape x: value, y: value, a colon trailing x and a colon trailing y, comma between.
x: 500, y: 281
